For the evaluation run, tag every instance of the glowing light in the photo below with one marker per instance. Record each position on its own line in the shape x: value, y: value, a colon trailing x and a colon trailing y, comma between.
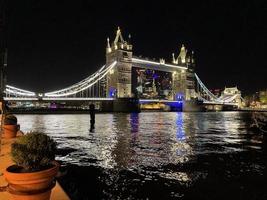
x: 180, y: 135
x: 83, y: 85
x: 18, y: 91
x: 20, y: 99
x: 179, y: 97
x: 137, y: 60
x: 156, y: 100
x: 162, y: 61
x: 112, y: 92
x: 75, y: 99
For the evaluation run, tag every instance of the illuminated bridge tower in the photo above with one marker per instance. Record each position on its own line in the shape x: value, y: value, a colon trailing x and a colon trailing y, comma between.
x: 190, y: 77
x: 118, y: 80
x: 183, y: 83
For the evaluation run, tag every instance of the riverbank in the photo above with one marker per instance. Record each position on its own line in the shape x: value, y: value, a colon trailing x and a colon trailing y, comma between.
x: 57, y: 192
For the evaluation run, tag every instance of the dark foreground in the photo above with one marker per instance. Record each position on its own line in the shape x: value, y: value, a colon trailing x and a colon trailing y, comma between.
x: 234, y: 176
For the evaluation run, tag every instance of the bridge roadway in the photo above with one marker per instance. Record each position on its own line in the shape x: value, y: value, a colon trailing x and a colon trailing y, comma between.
x: 80, y: 99
x: 148, y: 64
x: 103, y: 99
x: 107, y: 104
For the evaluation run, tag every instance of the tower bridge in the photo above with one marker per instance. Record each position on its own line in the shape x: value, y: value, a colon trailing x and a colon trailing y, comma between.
x: 127, y: 76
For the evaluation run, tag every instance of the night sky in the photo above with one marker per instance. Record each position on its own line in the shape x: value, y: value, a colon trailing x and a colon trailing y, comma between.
x: 53, y: 44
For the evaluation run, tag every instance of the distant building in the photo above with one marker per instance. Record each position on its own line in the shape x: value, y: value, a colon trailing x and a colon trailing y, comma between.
x: 231, y: 91
x: 233, y: 94
x: 263, y: 96
x: 146, y: 78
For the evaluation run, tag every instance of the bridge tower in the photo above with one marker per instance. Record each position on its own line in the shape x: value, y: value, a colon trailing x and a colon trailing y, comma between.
x: 190, y: 77
x: 184, y: 80
x: 119, y: 79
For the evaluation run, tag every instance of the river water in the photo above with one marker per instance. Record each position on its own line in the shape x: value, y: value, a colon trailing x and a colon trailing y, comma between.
x: 157, y: 155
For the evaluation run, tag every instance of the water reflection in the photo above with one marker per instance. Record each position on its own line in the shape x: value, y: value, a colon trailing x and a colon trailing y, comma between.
x: 181, y: 149
x: 143, y: 139
x: 155, y: 153
x: 180, y: 135
x: 122, y: 151
x: 134, y: 121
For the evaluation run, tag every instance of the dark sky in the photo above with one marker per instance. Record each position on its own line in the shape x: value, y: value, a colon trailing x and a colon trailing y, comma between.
x: 53, y: 44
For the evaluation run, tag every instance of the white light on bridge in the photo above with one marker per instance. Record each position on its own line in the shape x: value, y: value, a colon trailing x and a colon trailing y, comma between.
x: 156, y: 63
x: 20, y: 99
x: 75, y: 99
x: 18, y: 91
x: 83, y: 85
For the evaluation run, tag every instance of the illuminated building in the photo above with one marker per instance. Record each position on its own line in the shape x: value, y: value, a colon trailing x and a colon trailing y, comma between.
x: 232, y: 93
x: 119, y: 80
x: 137, y: 77
x: 262, y: 99
x: 263, y: 96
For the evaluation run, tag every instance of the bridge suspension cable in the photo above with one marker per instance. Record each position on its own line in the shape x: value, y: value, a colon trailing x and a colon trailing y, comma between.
x: 94, y: 87
x: 205, y: 89
x: 14, y: 91
x: 209, y: 97
x: 85, y: 84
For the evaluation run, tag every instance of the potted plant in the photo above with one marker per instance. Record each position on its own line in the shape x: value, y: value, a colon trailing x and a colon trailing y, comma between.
x: 10, y: 126
x: 33, y: 175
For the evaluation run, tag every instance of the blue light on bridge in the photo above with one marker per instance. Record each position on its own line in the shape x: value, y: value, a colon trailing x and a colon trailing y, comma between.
x: 53, y: 105
x: 179, y: 97
x: 176, y: 105
x: 112, y: 92
x: 155, y: 76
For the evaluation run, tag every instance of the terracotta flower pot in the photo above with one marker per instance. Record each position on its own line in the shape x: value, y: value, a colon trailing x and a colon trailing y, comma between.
x: 10, y: 131
x: 32, y: 185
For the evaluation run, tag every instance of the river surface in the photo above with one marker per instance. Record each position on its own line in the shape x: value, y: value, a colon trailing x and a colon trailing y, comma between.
x: 157, y: 155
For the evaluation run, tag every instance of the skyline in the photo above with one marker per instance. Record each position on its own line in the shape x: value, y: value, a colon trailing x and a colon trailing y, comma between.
x: 54, y: 45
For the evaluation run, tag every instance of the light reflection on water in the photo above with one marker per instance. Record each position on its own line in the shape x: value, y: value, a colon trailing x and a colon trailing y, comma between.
x: 138, y: 141
x: 149, y: 139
